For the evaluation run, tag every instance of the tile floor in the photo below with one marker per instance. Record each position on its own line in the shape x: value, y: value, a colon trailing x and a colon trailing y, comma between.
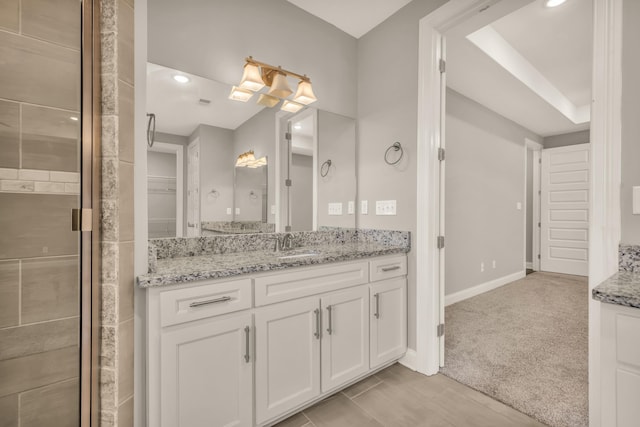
x: 398, y: 397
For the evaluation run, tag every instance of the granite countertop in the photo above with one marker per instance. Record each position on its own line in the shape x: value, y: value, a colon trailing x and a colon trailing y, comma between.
x: 172, y: 271
x: 623, y: 288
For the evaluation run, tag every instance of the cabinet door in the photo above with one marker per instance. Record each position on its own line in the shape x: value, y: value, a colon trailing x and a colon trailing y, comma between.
x: 206, y: 374
x: 388, y: 320
x: 345, y: 340
x: 287, y: 357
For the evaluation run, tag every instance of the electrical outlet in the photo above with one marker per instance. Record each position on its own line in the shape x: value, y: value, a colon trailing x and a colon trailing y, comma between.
x: 494, y: 263
x: 364, y: 207
x: 519, y: 206
x: 482, y: 267
x: 228, y: 211
x: 636, y: 200
x: 273, y: 209
x: 335, y: 209
x: 385, y: 207
x: 237, y: 211
x: 351, y: 207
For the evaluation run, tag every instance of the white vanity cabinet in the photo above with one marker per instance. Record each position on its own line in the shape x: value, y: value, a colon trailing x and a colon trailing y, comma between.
x: 286, y: 338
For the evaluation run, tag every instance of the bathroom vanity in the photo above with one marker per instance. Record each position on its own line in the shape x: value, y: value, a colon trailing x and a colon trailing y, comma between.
x: 250, y: 342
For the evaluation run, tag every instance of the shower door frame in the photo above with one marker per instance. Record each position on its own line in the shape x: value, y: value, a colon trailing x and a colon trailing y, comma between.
x: 90, y: 183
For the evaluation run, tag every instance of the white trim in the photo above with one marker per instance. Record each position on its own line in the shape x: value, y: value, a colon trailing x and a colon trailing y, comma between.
x: 277, y: 175
x: 178, y: 150
x: 483, y: 287
x: 529, y: 266
x: 409, y: 359
x: 537, y: 155
x: 604, y: 194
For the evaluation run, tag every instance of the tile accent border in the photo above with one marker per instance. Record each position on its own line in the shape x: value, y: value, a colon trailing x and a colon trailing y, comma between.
x: 39, y: 181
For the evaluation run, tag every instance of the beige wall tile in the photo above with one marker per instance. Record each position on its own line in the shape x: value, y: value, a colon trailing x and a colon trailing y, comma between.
x: 30, y: 66
x: 65, y: 176
x: 126, y: 201
x: 125, y: 360
x: 9, y: 293
x: 6, y: 173
x: 126, y: 281
x: 35, y: 225
x: 33, y: 175
x: 125, y: 413
x: 50, y: 187
x: 10, y: 16
x: 125, y: 121
x: 125, y: 42
x: 10, y: 130
x: 17, y: 186
x: 37, y: 370
x: 51, y: 406
x: 50, y: 139
x: 9, y: 410
x: 50, y: 289
x: 55, y: 21
x: 22, y: 341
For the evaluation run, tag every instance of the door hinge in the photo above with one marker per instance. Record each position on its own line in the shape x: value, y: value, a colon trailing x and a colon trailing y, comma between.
x: 441, y: 154
x: 539, y: 225
x: 287, y: 136
x: 540, y: 160
x: 440, y: 242
x: 440, y: 329
x: 287, y: 183
x: 538, y: 256
x: 442, y: 65
x: 82, y: 219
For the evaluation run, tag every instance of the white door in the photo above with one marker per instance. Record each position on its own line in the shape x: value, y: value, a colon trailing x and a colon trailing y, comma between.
x: 345, y: 340
x: 564, y: 210
x: 206, y: 378
x: 388, y: 320
x: 288, y: 360
x: 193, y: 189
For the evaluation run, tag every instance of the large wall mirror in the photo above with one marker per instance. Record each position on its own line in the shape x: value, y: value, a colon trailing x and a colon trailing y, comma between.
x: 219, y: 166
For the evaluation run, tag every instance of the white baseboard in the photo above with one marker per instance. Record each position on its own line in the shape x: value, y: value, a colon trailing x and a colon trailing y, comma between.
x: 530, y: 265
x: 482, y: 288
x: 409, y: 360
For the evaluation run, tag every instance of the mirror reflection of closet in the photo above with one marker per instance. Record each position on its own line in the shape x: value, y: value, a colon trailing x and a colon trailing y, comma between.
x: 164, y: 190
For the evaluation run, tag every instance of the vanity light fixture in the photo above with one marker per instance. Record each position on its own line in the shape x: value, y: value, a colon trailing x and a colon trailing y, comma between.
x: 291, y: 107
x: 181, y: 78
x: 239, y: 94
x: 262, y: 161
x: 248, y: 160
x: 554, y: 3
x: 257, y: 75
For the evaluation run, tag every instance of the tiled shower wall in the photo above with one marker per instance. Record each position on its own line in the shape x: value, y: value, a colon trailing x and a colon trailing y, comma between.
x: 116, y: 359
x: 39, y: 185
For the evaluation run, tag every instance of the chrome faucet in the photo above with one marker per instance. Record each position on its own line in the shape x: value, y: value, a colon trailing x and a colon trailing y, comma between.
x: 284, y: 244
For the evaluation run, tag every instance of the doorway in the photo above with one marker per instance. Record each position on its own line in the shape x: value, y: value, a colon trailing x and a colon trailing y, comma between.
x: 165, y: 190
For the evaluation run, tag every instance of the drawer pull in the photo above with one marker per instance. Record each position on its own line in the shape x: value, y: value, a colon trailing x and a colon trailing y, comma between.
x: 247, y: 331
x: 210, y: 301
x: 376, y: 314
x: 317, y: 333
x: 395, y: 267
x: 329, y: 329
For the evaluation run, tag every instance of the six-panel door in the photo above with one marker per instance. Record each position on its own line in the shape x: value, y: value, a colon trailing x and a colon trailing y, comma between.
x: 206, y: 373
x: 388, y: 320
x: 288, y: 361
x: 345, y: 340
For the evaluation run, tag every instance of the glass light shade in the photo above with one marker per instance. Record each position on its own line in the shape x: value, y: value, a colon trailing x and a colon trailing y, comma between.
x: 251, y: 78
x: 239, y: 94
x: 267, y: 100
x: 279, y: 86
x: 245, y: 159
x: 262, y: 161
x: 304, y: 94
x: 554, y: 3
x: 290, y: 106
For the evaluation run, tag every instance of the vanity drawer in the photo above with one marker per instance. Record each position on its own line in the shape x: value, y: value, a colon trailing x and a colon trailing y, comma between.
x: 199, y: 302
x: 309, y: 281
x: 386, y: 268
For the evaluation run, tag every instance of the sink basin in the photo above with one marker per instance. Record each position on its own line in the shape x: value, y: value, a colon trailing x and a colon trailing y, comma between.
x: 294, y: 255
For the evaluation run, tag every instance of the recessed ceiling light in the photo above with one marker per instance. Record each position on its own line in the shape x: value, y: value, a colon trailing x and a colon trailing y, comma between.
x: 297, y: 126
x: 181, y: 78
x: 74, y: 118
x: 554, y: 3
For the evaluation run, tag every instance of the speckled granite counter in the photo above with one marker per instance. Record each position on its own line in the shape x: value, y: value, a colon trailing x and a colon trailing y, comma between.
x: 188, y: 260
x: 623, y: 288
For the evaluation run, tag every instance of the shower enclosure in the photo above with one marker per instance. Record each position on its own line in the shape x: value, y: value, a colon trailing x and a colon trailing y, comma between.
x: 48, y: 113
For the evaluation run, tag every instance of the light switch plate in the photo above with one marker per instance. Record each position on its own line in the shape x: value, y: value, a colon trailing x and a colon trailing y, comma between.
x: 351, y: 207
x: 228, y: 211
x: 636, y: 200
x: 385, y: 207
x: 519, y: 206
x: 364, y: 207
x: 273, y: 209
x: 237, y: 211
x: 335, y: 209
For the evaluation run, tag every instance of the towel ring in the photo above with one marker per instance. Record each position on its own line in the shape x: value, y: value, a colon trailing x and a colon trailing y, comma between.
x: 395, y: 147
x: 214, y: 193
x: 325, y: 171
x: 253, y: 195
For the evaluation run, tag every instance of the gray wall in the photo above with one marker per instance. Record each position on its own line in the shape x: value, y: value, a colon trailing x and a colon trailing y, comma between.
x: 630, y: 120
x: 387, y: 64
x: 302, y: 192
x: 572, y: 138
x: 485, y: 179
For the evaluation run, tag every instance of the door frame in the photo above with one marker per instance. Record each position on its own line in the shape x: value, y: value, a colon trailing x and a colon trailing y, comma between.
x: 604, y: 225
x: 536, y: 148
x: 194, y: 143
x: 178, y: 150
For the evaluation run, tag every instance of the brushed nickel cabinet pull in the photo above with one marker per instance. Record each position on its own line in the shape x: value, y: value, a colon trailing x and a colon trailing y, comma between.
x: 329, y: 329
x: 247, y: 331
x: 210, y: 301
x: 317, y: 333
x: 376, y: 314
x: 395, y: 267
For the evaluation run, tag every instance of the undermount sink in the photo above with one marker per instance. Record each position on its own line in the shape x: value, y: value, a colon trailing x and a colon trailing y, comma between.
x: 298, y: 254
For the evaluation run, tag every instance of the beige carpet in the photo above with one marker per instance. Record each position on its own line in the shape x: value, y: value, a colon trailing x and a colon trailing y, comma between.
x: 525, y: 344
